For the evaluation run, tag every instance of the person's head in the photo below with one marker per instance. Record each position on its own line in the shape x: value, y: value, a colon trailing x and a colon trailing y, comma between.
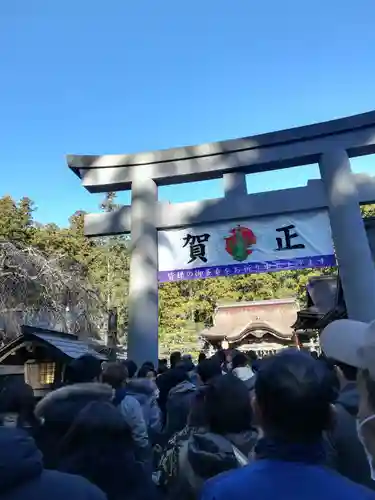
x: 202, y: 356
x: 97, y: 418
x: 353, y: 343
x: 208, y: 369
x: 85, y: 369
x: 293, y: 397
x: 147, y: 371
x: 220, y: 355
x: 99, y: 447
x: 227, y: 405
x: 240, y: 360
x: 131, y: 367
x: 186, y: 364
x: 178, y: 375
x: 115, y: 375
x: 150, y: 364
x: 252, y: 355
x: 162, y: 366
x: 17, y: 404
x: 175, y: 358
x: 229, y: 353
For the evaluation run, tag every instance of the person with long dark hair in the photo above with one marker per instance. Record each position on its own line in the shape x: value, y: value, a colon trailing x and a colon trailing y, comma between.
x: 99, y: 447
x: 220, y: 437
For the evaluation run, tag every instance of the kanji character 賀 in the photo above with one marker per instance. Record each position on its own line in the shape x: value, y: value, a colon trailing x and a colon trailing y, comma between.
x: 197, y: 246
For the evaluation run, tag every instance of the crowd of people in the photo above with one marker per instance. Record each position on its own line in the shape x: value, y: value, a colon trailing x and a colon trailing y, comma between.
x: 291, y: 426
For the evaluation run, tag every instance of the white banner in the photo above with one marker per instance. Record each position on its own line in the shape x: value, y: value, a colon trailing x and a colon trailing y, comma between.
x: 291, y: 241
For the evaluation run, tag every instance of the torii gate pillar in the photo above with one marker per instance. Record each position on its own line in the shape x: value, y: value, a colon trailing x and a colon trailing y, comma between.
x: 330, y: 144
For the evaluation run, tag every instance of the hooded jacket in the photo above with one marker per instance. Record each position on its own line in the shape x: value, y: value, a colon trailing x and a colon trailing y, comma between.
x: 285, y: 472
x: 131, y: 411
x: 246, y: 374
x: 145, y: 392
x: 345, y: 451
x: 22, y: 474
x: 178, y: 406
x: 165, y: 382
x: 204, y: 455
x: 58, y: 411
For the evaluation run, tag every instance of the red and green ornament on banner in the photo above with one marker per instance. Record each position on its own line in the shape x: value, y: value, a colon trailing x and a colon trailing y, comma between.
x: 239, y: 244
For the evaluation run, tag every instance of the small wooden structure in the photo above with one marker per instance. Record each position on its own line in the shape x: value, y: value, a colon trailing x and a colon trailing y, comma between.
x: 40, y: 356
x: 263, y: 326
x: 325, y: 297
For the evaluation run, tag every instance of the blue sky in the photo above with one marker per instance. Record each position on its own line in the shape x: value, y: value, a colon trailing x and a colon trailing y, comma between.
x: 118, y: 76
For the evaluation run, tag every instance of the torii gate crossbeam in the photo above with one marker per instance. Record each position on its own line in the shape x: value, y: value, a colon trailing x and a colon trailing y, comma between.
x: 330, y: 144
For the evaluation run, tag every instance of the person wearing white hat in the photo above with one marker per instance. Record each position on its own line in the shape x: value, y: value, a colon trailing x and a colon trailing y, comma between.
x: 351, y: 346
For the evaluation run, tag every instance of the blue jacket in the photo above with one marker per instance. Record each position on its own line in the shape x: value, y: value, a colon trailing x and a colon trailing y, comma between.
x: 145, y: 392
x: 285, y: 473
x: 131, y: 410
x: 22, y: 475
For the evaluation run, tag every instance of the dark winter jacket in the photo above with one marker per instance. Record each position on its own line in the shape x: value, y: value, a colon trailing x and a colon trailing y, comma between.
x: 165, y: 382
x: 202, y: 455
x: 255, y: 365
x: 194, y: 377
x: 22, y: 475
x: 59, y: 409
x: 178, y: 406
x: 99, y: 447
x: 145, y: 392
x: 345, y: 452
x: 247, y: 376
x: 285, y: 472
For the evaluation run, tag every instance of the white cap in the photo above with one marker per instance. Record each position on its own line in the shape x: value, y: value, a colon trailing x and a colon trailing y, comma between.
x: 351, y: 342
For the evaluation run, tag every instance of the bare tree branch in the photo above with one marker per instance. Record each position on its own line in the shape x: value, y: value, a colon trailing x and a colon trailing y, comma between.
x: 47, y: 292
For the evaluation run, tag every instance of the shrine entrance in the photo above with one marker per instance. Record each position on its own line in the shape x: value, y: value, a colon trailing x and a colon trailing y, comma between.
x: 262, y: 232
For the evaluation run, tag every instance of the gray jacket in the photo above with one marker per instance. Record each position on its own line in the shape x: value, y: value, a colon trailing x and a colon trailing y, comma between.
x: 204, y: 455
x: 133, y: 415
x: 345, y: 452
x: 144, y: 391
x: 179, y: 403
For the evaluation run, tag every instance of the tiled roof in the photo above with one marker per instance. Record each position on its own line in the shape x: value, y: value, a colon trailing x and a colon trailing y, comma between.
x: 67, y: 344
x: 72, y: 348
x: 274, y: 317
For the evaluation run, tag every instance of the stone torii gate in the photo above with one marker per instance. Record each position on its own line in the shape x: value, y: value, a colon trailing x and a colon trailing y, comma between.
x: 330, y: 144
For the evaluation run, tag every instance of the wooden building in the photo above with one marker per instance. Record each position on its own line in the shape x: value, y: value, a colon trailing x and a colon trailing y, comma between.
x: 325, y: 303
x: 263, y: 326
x: 325, y: 297
x: 40, y: 357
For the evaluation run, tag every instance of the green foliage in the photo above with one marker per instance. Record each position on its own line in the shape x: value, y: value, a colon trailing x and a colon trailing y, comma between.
x: 184, y: 307
x: 16, y: 221
x: 368, y: 210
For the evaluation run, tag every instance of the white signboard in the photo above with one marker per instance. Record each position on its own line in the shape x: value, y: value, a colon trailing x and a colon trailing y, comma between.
x: 284, y: 242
